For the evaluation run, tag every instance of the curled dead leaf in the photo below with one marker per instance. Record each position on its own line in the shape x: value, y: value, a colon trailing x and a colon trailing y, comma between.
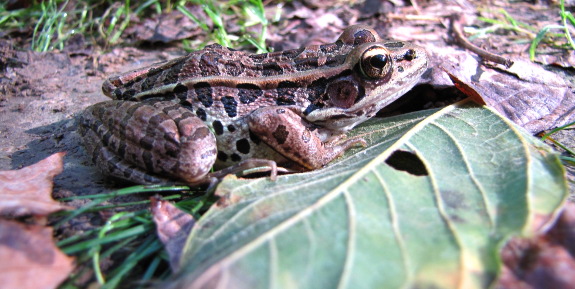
x: 173, y: 227
x: 35, y: 261
x: 28, y: 191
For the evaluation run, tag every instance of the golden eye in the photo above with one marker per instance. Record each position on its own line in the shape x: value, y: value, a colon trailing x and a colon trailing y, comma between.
x: 376, y: 62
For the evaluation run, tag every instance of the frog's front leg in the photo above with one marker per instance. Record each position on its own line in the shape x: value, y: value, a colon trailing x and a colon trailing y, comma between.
x: 290, y: 135
x: 148, y: 142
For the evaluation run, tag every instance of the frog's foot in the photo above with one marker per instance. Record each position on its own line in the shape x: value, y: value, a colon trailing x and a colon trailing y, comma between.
x: 251, y: 166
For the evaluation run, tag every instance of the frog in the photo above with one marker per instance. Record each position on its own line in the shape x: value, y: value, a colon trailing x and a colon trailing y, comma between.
x: 216, y: 111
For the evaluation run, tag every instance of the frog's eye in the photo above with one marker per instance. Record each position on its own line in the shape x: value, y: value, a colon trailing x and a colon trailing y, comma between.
x: 376, y: 62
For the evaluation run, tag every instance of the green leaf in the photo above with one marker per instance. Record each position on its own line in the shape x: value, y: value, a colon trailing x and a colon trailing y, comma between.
x: 463, y: 180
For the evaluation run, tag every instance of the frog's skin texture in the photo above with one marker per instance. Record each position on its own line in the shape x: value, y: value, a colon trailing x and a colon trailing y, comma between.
x: 225, y: 108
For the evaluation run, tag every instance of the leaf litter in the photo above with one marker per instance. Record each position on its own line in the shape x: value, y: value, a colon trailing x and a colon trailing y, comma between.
x: 30, y: 256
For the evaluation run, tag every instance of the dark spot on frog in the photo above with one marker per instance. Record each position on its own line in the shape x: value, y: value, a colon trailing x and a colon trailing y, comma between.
x: 248, y: 92
x: 128, y: 94
x: 363, y: 36
x: 230, y: 105
x: 338, y: 116
x: 231, y: 128
x: 410, y: 55
x: 200, y: 133
x: 122, y: 149
x: 259, y: 57
x: 234, y: 68
x: 292, y: 53
x: 310, y: 108
x: 408, y: 162
x: 156, y: 119
x: 317, y: 88
x: 204, y: 93
x: 335, y: 61
x: 235, y: 157
x: 171, y: 149
x: 270, y: 69
x: 306, y: 64
x: 127, y: 173
x: 147, y: 158
x: 201, y: 114
x: 118, y: 93
x: 400, y: 69
x: 181, y: 91
x: 286, y: 91
x: 243, y: 146
x: 280, y: 110
x: 147, y: 143
x: 283, y: 101
x: 328, y: 48
x: 222, y: 156
x: 254, y: 138
x: 218, y: 127
x: 172, y: 75
x: 106, y: 138
x: 153, y: 71
x: 149, y: 82
x: 209, y: 63
x: 396, y: 44
x: 187, y: 105
x: 281, y: 134
x: 287, y: 86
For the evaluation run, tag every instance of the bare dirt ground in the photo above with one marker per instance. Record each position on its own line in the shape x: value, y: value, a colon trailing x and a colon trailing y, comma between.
x: 43, y: 96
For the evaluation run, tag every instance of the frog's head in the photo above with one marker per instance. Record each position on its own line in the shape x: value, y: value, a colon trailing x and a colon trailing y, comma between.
x: 378, y: 73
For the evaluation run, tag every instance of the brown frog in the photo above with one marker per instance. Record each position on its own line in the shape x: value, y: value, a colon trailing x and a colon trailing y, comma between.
x: 231, y: 109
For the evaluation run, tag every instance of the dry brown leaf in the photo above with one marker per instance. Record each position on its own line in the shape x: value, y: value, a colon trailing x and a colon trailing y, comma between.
x: 28, y: 191
x: 527, y: 94
x: 173, y: 227
x: 34, y: 261
x: 168, y: 27
x: 546, y: 261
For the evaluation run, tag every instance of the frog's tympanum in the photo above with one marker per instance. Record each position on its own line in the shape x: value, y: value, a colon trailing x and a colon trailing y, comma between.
x: 223, y: 108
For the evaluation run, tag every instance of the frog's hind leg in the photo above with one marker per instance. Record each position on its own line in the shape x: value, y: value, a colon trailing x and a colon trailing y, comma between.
x: 115, y: 167
x: 148, y: 142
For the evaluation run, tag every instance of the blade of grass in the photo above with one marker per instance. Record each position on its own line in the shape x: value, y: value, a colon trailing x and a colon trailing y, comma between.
x: 539, y: 37
x: 134, y: 231
x: 564, y: 16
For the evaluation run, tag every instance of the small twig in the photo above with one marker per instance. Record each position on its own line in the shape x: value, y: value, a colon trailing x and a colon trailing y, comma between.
x: 415, y: 6
x: 458, y: 33
x: 394, y: 16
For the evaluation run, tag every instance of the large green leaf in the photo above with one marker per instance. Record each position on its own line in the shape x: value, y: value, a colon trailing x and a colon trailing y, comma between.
x: 462, y: 180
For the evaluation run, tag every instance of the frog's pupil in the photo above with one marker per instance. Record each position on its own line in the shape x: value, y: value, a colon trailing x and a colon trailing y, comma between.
x: 378, y: 61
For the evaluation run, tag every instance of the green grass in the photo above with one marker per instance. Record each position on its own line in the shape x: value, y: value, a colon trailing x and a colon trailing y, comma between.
x: 127, y: 233
x: 529, y: 33
x: 53, y: 22
x: 568, y: 157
